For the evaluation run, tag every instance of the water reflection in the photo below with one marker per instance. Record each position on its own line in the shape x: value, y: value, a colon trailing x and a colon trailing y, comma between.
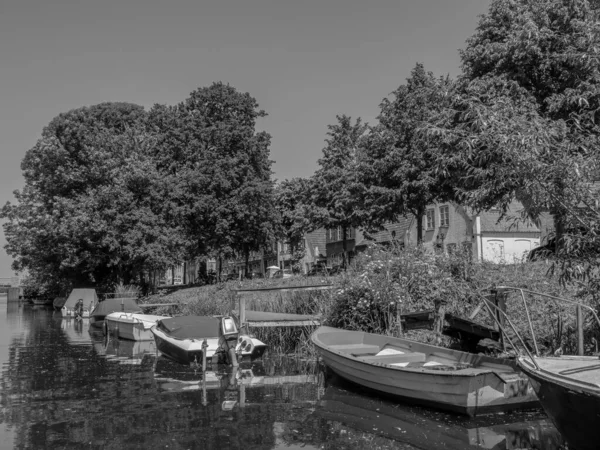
x: 64, y: 386
x: 432, y: 430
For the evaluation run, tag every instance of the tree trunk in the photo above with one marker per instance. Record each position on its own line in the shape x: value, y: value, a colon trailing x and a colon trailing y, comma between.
x: 419, y: 215
x: 220, y: 261
x: 246, y: 260
x: 344, y: 249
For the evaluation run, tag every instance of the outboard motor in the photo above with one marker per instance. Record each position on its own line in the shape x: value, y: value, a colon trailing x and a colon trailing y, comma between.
x: 228, y: 339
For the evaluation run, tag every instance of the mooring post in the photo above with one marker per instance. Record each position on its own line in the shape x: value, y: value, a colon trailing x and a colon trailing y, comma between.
x: 579, y: 331
x: 242, y: 311
x: 204, y: 347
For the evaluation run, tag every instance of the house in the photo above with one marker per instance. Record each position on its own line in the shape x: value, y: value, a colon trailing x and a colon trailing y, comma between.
x: 448, y: 226
x: 315, y: 249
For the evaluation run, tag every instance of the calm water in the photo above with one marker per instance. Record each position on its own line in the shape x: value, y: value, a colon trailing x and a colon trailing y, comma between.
x: 65, y: 387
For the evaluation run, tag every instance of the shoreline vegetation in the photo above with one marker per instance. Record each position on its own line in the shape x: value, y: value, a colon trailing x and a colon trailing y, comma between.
x: 380, y: 284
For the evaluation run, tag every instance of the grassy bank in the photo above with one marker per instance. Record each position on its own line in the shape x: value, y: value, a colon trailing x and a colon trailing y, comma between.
x: 380, y: 284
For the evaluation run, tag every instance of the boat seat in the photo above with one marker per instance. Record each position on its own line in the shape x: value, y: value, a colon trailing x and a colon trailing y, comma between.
x: 395, y: 359
x: 356, y: 349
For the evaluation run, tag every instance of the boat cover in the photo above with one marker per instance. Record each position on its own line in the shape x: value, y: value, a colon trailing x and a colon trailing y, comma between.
x: 90, y: 299
x: 111, y: 305
x: 191, y: 327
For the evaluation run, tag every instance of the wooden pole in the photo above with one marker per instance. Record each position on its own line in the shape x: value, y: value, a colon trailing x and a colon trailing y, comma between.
x: 242, y: 311
x: 204, y: 347
x: 579, y: 331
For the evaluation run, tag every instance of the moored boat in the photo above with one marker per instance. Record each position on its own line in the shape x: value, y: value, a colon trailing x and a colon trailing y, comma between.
x: 111, y: 305
x: 185, y: 339
x: 131, y: 325
x: 425, y: 374
x: 569, y: 390
x: 87, y: 295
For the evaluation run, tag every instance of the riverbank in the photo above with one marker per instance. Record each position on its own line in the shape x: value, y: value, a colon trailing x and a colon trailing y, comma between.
x: 382, y: 283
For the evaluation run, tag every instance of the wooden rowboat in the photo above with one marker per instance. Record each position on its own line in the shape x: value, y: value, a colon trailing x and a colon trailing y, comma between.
x: 425, y: 374
x: 569, y: 390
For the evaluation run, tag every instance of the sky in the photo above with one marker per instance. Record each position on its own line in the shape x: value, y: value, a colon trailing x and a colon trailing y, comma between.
x: 304, y: 61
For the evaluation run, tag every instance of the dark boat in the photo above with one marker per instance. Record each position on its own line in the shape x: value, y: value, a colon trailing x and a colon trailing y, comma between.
x: 568, y: 387
x: 424, y: 374
x: 184, y: 339
x: 111, y: 305
x: 569, y: 390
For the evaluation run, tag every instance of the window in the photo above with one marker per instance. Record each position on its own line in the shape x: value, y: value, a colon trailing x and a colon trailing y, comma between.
x: 339, y: 234
x: 430, y: 219
x: 444, y: 216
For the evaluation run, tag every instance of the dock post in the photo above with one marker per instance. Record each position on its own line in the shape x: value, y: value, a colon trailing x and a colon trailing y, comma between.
x: 242, y: 311
x: 580, y: 349
x: 204, y: 347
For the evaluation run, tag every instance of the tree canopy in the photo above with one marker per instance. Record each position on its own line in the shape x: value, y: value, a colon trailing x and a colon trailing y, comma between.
x: 397, y: 163
x: 335, y: 191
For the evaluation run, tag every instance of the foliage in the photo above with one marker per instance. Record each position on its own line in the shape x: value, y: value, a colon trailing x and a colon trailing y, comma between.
x: 335, y: 191
x: 397, y: 161
x: 218, y: 170
x: 90, y: 211
x: 522, y: 122
x: 291, y: 201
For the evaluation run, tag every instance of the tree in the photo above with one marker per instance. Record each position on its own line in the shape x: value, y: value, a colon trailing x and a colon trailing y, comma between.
x: 219, y: 171
x: 397, y: 160
x: 90, y: 211
x: 291, y: 200
x: 335, y: 197
x: 523, y: 119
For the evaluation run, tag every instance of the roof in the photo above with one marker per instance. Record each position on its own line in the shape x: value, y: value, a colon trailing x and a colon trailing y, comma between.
x: 391, y: 231
x: 511, y: 223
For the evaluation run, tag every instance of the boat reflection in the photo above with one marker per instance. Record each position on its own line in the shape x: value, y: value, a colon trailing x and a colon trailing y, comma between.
x: 425, y: 429
x: 232, y: 386
x: 76, y: 330
x: 128, y: 352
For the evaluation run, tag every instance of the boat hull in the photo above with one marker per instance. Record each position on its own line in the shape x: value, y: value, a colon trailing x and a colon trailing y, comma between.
x: 470, y: 391
x: 574, y: 410
x: 184, y: 351
x: 131, y: 326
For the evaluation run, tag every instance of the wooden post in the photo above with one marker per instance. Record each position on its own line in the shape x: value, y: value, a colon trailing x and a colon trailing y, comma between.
x: 242, y: 311
x: 204, y: 347
x: 500, y: 303
x: 579, y: 331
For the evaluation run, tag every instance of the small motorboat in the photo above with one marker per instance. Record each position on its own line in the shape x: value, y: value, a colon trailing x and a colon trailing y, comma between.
x: 185, y: 339
x: 111, y: 305
x: 425, y: 374
x: 87, y: 295
x: 130, y: 325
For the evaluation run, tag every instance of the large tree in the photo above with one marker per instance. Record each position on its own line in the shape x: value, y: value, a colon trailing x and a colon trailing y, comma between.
x: 219, y: 170
x: 90, y: 211
x: 336, y: 193
x: 397, y: 159
x: 523, y: 118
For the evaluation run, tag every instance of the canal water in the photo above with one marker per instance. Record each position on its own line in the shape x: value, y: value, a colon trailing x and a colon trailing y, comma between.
x: 66, y: 387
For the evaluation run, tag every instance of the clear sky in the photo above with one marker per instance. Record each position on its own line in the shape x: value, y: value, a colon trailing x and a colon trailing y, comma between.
x: 304, y: 61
